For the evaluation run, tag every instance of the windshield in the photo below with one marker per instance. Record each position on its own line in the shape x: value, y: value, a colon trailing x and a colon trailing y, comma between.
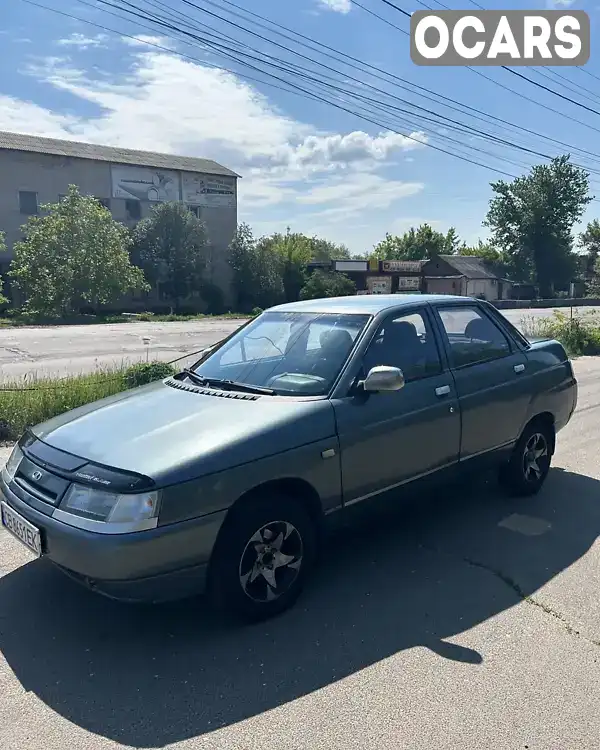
x: 287, y: 352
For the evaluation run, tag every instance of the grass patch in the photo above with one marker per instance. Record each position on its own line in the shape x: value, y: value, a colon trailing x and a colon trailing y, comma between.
x: 33, y: 400
x: 19, y: 321
x: 578, y: 333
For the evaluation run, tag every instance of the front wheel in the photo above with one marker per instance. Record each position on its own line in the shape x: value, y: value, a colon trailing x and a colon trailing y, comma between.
x: 262, y: 558
x: 529, y: 463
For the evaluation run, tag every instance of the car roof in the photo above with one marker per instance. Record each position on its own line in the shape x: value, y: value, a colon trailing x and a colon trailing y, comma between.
x: 370, y: 304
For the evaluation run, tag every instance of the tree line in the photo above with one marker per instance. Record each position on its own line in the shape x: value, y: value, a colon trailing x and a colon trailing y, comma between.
x: 75, y: 255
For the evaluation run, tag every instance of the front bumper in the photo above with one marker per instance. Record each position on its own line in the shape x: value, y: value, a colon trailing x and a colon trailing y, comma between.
x: 169, y: 562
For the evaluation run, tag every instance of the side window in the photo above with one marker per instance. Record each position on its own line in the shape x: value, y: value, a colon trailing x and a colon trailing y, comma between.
x: 473, y: 337
x: 407, y: 342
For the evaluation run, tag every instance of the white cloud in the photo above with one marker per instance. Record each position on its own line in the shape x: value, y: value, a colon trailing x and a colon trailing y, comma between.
x: 559, y: 3
x: 143, y: 40
x: 339, y: 6
x: 164, y: 103
x: 82, y: 42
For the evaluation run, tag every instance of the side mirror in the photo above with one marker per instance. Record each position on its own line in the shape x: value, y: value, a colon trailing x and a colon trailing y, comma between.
x: 383, y: 379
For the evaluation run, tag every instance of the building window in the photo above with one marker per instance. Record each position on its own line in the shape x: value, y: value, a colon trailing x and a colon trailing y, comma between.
x: 196, y: 210
x: 133, y: 209
x: 28, y: 203
x: 104, y: 202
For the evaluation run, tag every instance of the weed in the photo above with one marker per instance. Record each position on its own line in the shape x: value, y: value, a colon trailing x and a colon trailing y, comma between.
x: 32, y: 400
x: 578, y: 333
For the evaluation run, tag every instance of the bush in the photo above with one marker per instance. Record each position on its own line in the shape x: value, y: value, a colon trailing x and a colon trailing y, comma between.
x: 147, y: 372
x: 256, y: 311
x: 579, y: 333
x: 327, y: 284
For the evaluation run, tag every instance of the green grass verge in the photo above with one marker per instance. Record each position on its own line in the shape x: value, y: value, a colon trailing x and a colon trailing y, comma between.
x: 578, y: 333
x: 28, y: 402
x: 20, y: 321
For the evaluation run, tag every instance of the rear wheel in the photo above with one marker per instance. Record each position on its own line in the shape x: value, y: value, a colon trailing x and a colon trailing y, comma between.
x: 262, y: 558
x: 529, y: 463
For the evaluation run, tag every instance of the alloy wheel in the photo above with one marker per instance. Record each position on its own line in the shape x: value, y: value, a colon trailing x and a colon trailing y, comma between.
x: 271, y: 561
x: 535, y: 457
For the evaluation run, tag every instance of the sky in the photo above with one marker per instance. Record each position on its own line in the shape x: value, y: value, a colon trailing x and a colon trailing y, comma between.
x: 311, y: 157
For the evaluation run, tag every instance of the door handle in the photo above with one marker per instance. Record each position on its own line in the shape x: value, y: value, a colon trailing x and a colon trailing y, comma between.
x: 519, y: 368
x: 443, y: 390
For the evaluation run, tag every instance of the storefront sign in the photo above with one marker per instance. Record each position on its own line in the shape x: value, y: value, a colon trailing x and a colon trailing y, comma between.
x: 351, y: 265
x: 401, y: 266
x: 379, y: 284
x: 409, y: 283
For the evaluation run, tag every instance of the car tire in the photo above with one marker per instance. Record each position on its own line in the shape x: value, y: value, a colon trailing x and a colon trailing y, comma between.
x: 267, y: 543
x: 529, y: 464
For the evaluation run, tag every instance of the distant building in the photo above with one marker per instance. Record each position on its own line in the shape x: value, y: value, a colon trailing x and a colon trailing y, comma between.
x: 35, y: 170
x: 465, y: 275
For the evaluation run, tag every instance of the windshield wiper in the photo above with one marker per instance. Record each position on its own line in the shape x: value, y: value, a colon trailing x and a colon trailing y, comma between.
x: 193, y: 376
x: 230, y: 384
x: 236, y: 386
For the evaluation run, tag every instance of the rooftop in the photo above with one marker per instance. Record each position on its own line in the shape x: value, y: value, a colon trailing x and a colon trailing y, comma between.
x: 369, y: 304
x: 470, y: 266
x: 37, y: 144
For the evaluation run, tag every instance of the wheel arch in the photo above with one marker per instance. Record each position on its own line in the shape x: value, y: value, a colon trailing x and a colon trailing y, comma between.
x: 293, y: 487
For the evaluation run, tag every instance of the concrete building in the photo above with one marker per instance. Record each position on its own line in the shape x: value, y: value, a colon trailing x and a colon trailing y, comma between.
x: 35, y: 170
x: 465, y: 275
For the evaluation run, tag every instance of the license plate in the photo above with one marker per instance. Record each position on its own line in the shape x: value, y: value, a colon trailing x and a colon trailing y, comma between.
x: 22, y: 529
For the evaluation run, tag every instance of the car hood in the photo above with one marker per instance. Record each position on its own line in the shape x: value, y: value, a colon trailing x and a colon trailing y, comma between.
x: 173, y: 435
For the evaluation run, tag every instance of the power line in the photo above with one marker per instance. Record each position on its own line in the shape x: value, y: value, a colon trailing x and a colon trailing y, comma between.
x: 381, y: 18
x: 261, y: 59
x: 372, y: 101
x: 551, y: 91
x: 361, y: 113
x: 510, y: 70
x: 312, y: 47
x: 294, y: 87
x: 231, y: 54
x: 396, y: 78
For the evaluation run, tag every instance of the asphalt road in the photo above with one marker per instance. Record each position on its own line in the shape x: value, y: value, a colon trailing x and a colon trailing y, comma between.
x: 460, y: 622
x: 72, y: 349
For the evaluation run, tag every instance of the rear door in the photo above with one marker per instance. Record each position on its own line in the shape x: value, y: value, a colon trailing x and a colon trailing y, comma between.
x: 490, y: 373
x: 387, y: 439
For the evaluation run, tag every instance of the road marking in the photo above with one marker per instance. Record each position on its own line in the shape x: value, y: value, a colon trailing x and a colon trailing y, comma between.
x: 526, y: 525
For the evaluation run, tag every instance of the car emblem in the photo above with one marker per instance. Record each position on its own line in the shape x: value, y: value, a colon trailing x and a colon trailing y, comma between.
x: 37, y: 475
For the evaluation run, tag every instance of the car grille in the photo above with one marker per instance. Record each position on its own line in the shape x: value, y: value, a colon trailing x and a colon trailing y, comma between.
x: 40, y: 483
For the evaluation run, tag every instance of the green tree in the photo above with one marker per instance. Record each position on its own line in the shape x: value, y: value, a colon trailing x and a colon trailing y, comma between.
x: 256, y: 268
x: 589, y: 242
x: 324, y: 250
x: 483, y: 250
x: 171, y: 246
x: 74, y: 254
x: 532, y: 219
x: 417, y: 244
x: 327, y: 284
x: 293, y: 251
x: 3, y: 299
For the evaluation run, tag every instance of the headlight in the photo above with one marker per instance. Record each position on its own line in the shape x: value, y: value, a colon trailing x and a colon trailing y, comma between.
x: 10, y: 469
x: 130, y: 512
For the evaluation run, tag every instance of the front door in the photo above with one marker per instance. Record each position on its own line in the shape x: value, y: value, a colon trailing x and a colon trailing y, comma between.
x: 387, y: 439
